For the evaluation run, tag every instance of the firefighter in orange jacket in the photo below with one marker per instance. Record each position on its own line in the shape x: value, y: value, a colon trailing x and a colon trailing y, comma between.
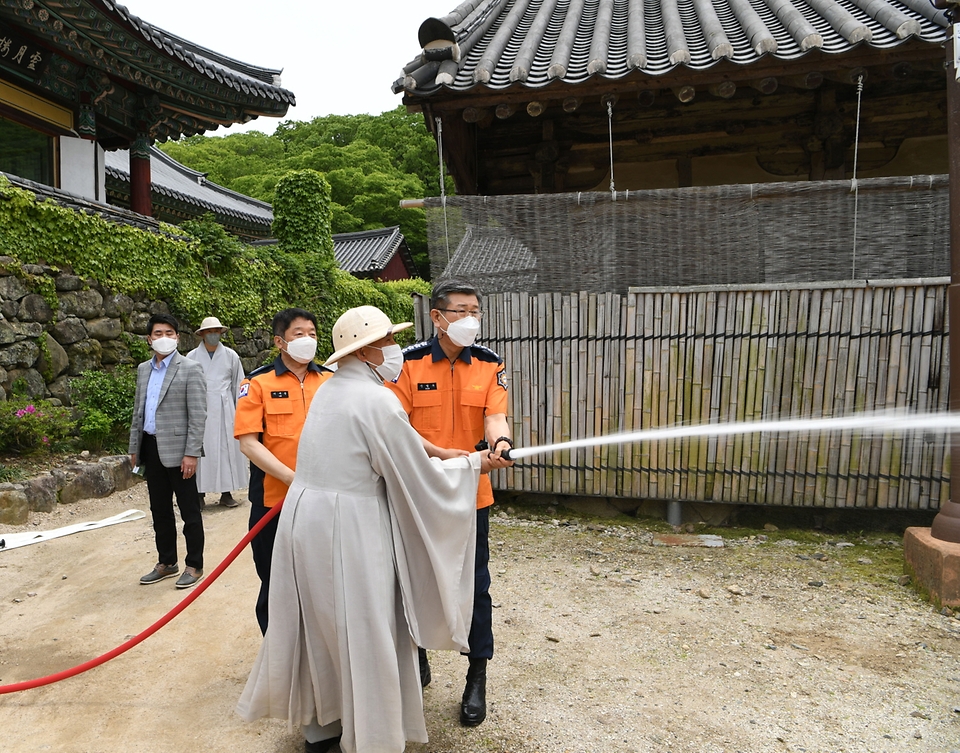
x: 455, y: 393
x: 272, y: 406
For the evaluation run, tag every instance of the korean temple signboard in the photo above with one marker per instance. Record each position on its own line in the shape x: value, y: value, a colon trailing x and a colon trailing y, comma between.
x: 18, y: 53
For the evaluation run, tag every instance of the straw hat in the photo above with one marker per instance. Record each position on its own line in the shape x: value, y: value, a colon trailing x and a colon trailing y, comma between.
x: 359, y: 327
x: 211, y: 322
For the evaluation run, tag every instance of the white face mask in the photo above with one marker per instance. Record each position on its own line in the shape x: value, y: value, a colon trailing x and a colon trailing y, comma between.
x: 302, y: 350
x: 212, y: 338
x: 392, y: 362
x: 463, y: 332
x: 164, y: 345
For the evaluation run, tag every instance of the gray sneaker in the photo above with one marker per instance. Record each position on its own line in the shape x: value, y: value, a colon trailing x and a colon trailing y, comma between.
x: 160, y: 572
x: 189, y: 578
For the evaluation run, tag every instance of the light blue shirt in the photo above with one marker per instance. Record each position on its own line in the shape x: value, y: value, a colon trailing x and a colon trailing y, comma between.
x: 157, y: 373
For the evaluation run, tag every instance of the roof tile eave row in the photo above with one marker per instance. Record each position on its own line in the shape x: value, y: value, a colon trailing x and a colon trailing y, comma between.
x: 207, y: 62
x: 124, y: 177
x: 507, y: 46
x: 539, y: 83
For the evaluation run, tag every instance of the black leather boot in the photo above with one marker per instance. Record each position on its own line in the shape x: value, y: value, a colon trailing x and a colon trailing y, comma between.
x: 473, y: 707
x: 425, y: 675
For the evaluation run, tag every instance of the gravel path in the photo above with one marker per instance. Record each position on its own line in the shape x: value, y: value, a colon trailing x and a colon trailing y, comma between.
x: 605, y: 642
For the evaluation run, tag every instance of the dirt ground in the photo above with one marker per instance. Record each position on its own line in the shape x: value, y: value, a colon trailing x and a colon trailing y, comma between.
x: 605, y: 642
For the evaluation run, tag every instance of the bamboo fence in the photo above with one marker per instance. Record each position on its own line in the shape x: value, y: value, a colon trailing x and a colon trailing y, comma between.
x: 591, y: 364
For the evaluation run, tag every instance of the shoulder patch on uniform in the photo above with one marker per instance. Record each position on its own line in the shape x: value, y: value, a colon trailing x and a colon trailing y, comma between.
x: 260, y: 370
x: 416, y: 351
x: 484, y: 354
x: 244, y: 389
x: 502, y: 378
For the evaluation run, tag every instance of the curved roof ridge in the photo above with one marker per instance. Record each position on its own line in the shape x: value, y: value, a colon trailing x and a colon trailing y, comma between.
x: 175, y: 180
x: 156, y: 153
x: 201, y: 57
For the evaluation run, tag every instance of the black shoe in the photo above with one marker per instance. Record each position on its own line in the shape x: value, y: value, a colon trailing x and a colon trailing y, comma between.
x: 425, y: 675
x: 473, y: 706
x: 321, y: 746
x: 227, y: 500
x: 202, y: 499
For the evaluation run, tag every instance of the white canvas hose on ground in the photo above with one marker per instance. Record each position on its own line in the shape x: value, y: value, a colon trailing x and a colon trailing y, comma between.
x: 14, y: 540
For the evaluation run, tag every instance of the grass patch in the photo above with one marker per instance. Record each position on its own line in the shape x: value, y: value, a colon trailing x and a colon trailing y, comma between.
x: 11, y: 473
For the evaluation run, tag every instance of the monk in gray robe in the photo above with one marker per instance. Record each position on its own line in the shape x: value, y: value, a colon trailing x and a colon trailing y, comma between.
x: 373, y: 557
x: 223, y: 468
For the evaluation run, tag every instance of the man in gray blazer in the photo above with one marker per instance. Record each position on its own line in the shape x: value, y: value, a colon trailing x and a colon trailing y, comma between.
x: 166, y: 436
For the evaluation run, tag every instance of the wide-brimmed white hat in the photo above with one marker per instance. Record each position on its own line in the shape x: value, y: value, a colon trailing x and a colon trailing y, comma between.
x: 359, y: 327
x: 211, y: 322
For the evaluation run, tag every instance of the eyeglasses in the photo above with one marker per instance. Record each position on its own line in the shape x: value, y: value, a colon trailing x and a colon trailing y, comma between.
x: 461, y: 313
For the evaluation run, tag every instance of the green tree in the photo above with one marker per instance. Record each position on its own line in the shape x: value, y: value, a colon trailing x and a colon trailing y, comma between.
x: 370, y: 161
x: 226, y: 159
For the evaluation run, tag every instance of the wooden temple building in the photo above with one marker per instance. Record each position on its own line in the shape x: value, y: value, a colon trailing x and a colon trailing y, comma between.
x: 179, y: 193
x: 529, y: 94
x: 79, y: 78
x: 657, y: 198
x: 380, y: 254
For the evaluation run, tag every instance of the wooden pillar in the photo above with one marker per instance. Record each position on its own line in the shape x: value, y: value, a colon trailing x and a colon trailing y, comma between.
x: 685, y: 172
x: 459, y: 149
x: 140, y: 200
x: 545, y: 155
x: 946, y: 526
x: 828, y: 148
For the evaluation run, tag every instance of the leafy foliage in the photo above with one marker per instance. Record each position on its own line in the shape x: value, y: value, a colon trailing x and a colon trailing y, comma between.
x: 139, y: 350
x: 105, y: 402
x: 198, y: 269
x: 370, y: 161
x: 30, y: 426
x: 302, y: 214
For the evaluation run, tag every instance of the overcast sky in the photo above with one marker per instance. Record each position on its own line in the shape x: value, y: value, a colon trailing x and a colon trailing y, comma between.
x: 338, y: 56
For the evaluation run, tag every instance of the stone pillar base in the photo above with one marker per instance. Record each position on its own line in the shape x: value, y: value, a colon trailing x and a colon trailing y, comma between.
x: 934, y: 565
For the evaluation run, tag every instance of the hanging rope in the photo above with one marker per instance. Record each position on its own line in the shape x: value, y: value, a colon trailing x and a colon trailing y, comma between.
x: 853, y: 186
x: 613, y: 185
x: 443, y: 186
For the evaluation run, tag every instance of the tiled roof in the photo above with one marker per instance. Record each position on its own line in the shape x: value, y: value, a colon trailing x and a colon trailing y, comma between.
x: 533, y: 43
x: 365, y: 253
x: 249, y: 79
x: 171, y: 179
x: 495, y: 259
x: 368, y: 252
x: 109, y: 212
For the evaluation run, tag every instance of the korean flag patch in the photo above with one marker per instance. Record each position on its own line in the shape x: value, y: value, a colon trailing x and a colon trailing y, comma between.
x: 502, y: 378
x: 244, y: 389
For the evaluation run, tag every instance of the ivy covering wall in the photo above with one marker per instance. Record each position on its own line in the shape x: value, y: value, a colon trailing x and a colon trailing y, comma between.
x: 198, y: 269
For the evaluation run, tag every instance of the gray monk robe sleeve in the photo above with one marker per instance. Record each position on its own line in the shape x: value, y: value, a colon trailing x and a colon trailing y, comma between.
x: 433, y: 512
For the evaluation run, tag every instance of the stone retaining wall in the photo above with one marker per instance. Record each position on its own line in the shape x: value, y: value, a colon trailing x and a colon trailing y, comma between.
x: 64, y: 485
x: 90, y: 328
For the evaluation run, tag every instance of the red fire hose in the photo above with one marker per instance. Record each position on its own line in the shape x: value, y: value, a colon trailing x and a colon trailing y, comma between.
x: 191, y: 597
